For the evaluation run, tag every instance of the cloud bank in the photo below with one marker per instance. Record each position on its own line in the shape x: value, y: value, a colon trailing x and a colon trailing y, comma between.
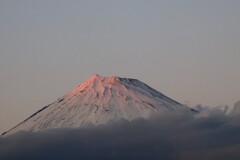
x: 168, y: 136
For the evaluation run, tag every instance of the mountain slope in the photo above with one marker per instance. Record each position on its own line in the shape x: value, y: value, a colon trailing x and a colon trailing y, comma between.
x: 97, y: 101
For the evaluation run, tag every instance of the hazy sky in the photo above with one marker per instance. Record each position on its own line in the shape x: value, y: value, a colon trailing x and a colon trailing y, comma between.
x: 188, y: 50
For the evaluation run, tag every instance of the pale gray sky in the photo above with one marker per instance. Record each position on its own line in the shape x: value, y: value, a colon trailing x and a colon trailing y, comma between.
x: 188, y: 50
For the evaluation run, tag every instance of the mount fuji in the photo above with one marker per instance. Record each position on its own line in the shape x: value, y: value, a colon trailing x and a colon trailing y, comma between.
x: 99, y: 100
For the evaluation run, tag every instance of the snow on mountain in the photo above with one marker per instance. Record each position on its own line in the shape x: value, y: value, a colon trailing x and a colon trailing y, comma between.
x: 97, y: 101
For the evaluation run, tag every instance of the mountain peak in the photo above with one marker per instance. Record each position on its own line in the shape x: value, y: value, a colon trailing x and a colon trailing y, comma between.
x: 94, y: 76
x: 97, y: 81
x: 97, y: 77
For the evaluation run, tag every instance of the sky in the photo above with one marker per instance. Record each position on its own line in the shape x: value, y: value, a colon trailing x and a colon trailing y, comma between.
x: 188, y: 50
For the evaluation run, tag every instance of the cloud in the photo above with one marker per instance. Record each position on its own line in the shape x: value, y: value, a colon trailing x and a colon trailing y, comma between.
x: 167, y: 136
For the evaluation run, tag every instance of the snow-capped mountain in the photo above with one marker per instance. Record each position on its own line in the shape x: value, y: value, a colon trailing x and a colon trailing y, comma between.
x: 97, y: 101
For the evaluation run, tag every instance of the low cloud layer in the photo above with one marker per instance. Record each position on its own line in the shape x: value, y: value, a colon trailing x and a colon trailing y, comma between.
x: 167, y: 136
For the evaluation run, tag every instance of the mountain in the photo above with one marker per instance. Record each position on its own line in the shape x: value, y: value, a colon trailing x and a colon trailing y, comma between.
x: 97, y: 101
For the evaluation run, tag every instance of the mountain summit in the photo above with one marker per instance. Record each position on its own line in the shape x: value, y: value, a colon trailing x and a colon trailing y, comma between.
x: 97, y: 101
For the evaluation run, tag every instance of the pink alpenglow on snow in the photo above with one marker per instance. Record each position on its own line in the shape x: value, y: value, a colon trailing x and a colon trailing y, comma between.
x: 99, y: 100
